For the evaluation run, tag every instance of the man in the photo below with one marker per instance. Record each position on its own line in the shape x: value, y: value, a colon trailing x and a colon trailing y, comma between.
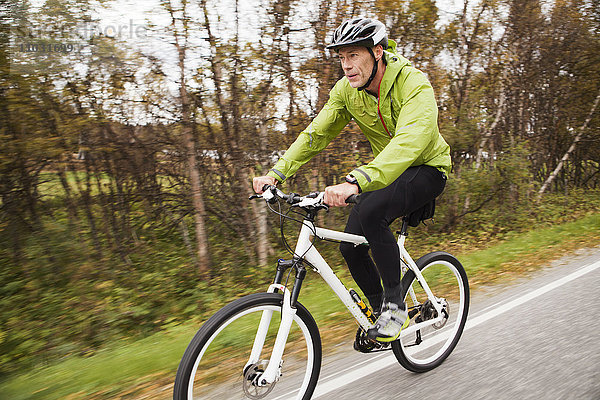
x: 394, y: 106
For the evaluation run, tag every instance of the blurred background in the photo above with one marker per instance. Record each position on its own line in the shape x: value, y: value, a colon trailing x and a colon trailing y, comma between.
x: 130, y: 132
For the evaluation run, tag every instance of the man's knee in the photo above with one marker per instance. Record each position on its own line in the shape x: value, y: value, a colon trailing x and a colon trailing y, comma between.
x: 347, y: 249
x: 373, y: 223
x: 350, y: 251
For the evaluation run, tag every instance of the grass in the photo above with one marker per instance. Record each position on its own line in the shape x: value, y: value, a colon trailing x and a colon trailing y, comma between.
x: 115, y: 369
x: 127, y: 369
x: 528, y: 251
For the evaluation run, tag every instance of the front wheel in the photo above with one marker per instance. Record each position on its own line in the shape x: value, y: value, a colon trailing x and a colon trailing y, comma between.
x: 216, y: 363
x: 428, y: 347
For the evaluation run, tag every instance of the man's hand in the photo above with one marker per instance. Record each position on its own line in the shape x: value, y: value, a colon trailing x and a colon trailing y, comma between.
x: 335, y: 196
x: 260, y: 181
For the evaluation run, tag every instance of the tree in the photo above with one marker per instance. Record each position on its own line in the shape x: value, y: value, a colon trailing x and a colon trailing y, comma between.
x: 180, y: 31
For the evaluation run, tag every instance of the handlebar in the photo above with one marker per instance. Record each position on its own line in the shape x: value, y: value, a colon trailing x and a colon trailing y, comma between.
x: 314, y: 199
x: 353, y: 199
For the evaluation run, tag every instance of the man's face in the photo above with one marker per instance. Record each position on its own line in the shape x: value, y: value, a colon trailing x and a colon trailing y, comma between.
x: 357, y: 64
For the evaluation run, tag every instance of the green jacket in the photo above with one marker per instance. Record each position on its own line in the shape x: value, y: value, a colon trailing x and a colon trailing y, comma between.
x: 402, y: 134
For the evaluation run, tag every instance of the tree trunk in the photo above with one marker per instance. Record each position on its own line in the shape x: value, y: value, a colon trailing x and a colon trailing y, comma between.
x: 564, y: 159
x: 486, y: 136
x: 197, y: 201
x: 189, y: 141
x: 263, y: 246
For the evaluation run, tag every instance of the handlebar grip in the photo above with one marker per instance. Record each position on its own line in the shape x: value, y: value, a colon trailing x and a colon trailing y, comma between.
x: 352, y: 199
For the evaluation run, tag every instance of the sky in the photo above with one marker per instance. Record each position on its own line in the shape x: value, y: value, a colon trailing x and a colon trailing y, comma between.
x: 127, y: 12
x: 126, y: 20
x: 134, y: 9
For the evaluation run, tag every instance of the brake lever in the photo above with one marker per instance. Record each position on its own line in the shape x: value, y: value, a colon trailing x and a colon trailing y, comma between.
x: 271, y: 194
x: 313, y: 201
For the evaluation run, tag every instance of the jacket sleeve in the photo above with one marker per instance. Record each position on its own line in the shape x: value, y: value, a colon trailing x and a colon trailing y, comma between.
x: 323, y: 128
x: 415, y: 130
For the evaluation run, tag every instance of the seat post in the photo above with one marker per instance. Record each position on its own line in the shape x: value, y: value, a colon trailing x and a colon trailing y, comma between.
x: 404, y: 228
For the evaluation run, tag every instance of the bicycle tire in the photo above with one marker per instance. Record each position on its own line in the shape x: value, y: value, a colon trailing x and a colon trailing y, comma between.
x: 421, y: 356
x: 188, y: 386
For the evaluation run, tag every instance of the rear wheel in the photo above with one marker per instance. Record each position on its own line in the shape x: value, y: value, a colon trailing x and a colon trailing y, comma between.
x: 428, y: 347
x: 215, y: 364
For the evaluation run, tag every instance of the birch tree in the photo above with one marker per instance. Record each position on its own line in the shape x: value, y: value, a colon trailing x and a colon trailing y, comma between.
x: 566, y: 156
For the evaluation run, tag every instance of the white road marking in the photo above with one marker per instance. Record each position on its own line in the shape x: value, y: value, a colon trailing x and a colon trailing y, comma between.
x: 356, y: 372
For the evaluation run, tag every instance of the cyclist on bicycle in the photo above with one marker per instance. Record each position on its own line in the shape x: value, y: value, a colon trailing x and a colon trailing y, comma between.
x: 394, y: 105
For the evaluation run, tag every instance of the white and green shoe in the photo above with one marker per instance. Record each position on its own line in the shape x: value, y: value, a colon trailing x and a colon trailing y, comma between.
x: 389, y: 324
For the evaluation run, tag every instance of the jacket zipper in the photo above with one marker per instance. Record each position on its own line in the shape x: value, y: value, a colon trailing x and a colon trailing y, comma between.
x: 379, y: 112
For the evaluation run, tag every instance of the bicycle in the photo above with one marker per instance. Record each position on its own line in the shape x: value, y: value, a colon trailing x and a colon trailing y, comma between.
x: 278, y: 322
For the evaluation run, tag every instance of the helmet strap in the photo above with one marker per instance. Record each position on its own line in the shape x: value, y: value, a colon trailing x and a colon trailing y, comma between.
x: 373, y: 73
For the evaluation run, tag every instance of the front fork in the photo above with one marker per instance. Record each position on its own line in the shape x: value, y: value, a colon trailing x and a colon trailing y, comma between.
x: 288, y: 311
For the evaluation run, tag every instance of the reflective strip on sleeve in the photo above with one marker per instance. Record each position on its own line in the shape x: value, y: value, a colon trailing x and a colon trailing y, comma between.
x: 364, y: 174
x: 279, y: 174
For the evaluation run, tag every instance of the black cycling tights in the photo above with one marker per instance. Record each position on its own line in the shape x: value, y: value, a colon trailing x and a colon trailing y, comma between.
x: 371, y: 218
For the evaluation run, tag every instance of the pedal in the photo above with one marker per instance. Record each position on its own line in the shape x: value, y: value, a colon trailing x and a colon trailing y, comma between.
x: 363, y: 344
x: 412, y: 312
x: 418, y: 338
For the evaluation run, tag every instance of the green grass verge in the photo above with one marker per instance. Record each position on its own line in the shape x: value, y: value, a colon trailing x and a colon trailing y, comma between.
x: 126, y: 369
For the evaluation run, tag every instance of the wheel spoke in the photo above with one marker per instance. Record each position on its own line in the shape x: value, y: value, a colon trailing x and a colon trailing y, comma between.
x: 434, y: 342
x: 214, y: 363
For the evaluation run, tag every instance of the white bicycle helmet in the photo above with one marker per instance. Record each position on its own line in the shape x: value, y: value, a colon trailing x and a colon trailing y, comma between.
x: 359, y: 32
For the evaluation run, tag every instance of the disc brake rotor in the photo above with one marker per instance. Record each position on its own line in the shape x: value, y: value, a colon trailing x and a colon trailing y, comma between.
x: 445, y: 314
x: 250, y: 382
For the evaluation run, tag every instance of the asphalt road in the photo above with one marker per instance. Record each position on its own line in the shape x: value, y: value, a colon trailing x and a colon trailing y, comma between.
x: 538, y: 338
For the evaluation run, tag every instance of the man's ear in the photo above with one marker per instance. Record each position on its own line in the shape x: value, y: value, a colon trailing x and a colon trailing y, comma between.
x: 378, y: 52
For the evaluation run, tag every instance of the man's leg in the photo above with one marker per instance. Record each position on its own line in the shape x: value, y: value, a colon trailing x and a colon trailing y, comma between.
x: 359, y: 262
x: 414, y: 188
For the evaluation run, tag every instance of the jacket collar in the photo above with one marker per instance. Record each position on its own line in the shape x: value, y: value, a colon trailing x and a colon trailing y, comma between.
x: 395, y: 63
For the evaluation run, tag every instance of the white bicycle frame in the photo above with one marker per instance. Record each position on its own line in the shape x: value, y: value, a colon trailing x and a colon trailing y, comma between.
x: 304, y: 246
